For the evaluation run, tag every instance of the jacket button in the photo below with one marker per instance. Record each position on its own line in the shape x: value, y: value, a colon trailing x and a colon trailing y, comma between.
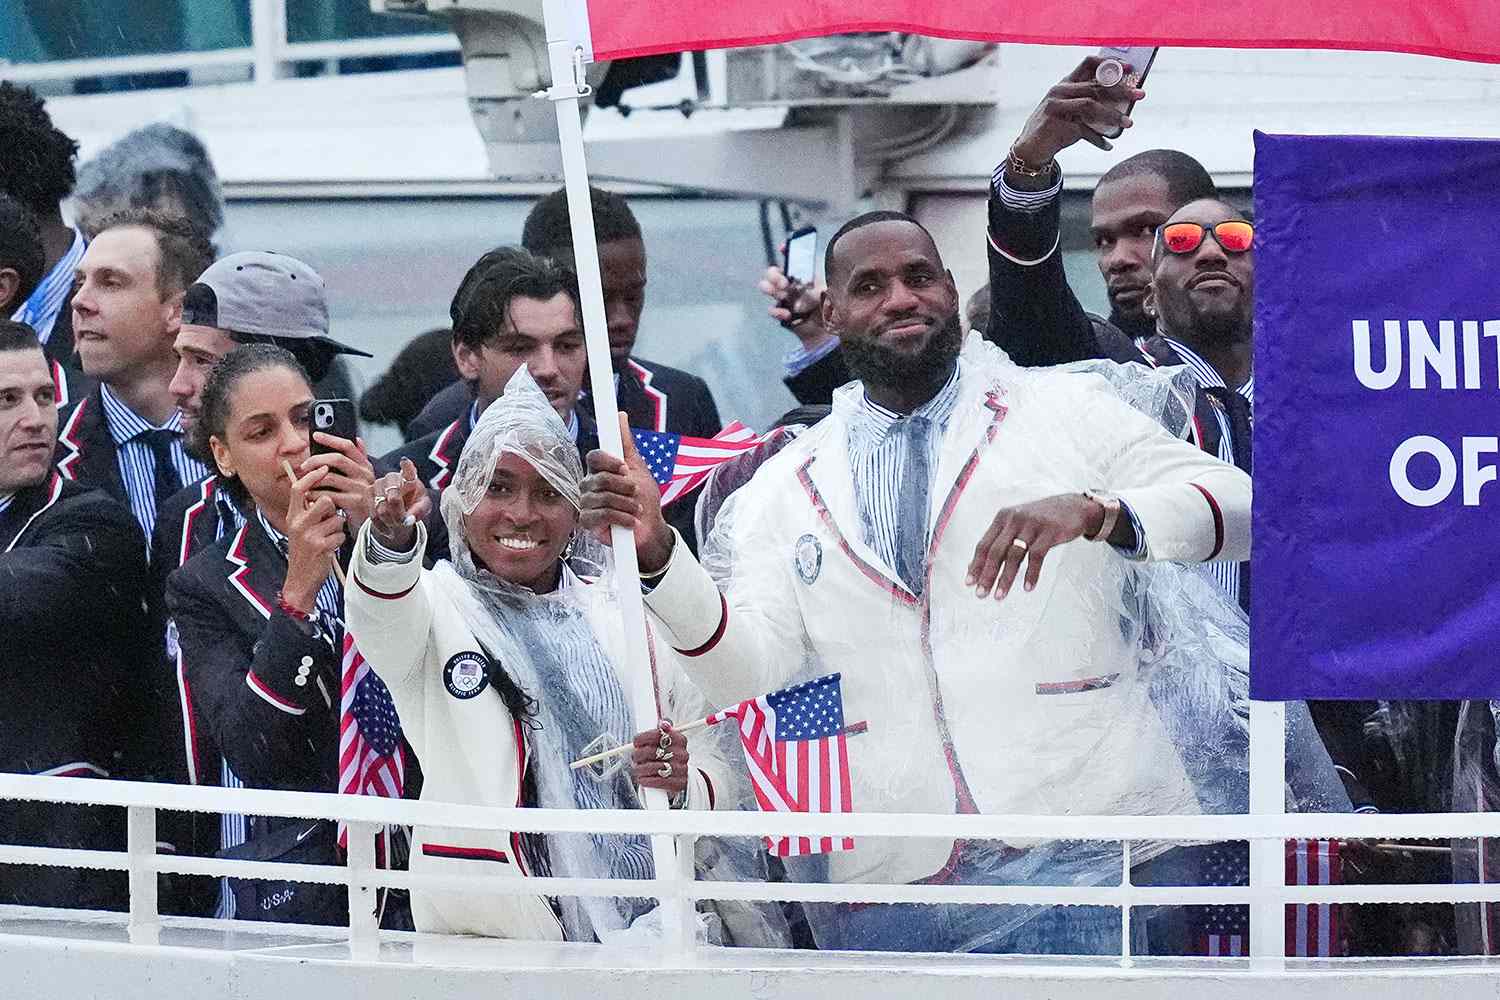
x: 300, y: 680
x: 307, y: 661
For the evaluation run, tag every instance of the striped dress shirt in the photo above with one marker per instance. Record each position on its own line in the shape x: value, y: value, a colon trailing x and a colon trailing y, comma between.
x: 42, y: 307
x: 138, y: 461
x: 6, y: 501
x: 878, y: 461
x: 1225, y: 574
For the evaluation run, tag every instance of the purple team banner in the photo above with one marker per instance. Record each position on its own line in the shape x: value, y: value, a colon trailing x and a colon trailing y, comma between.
x: 1377, y: 418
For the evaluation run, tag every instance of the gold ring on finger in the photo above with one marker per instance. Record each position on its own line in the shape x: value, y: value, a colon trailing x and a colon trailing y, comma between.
x: 663, y: 754
x: 665, y: 771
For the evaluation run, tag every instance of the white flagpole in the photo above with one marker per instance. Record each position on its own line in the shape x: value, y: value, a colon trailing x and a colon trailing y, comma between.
x: 568, y: 49
x: 1267, y: 857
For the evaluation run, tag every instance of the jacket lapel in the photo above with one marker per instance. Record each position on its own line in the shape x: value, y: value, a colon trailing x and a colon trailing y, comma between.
x: 87, y: 452
x: 446, y: 449
x: 829, y: 487
x: 645, y: 404
x: 29, y: 505
x: 976, y: 421
x: 249, y: 567
x: 829, y: 484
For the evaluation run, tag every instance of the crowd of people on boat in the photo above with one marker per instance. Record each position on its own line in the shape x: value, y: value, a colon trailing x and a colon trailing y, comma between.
x: 1018, y: 532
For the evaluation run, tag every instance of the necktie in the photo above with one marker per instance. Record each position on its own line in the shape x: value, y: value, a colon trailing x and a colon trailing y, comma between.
x: 1237, y: 408
x: 911, y: 523
x: 164, y: 476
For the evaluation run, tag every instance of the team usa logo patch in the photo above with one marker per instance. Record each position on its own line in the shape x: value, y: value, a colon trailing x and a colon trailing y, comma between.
x: 808, y: 558
x: 466, y: 674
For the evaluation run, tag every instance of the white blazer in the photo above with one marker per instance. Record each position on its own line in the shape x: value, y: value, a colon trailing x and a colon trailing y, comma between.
x: 471, y: 749
x: 1028, y: 706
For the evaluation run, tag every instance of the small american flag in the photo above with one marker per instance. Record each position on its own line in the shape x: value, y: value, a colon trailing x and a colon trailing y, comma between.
x: 371, y: 758
x: 796, y: 748
x: 1224, y: 929
x: 681, y: 464
x: 1312, y: 929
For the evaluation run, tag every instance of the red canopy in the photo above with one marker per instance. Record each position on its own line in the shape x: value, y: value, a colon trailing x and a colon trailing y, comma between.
x: 1456, y: 29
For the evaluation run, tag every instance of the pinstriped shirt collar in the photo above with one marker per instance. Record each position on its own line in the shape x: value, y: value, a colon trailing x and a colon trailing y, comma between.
x: 125, y: 424
x: 1208, y: 376
x: 869, y: 422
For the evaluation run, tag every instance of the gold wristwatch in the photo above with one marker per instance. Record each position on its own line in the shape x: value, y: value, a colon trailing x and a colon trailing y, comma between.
x: 1111, y: 505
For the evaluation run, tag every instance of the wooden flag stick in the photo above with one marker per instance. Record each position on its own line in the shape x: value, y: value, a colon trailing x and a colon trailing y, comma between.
x: 338, y: 571
x: 627, y: 747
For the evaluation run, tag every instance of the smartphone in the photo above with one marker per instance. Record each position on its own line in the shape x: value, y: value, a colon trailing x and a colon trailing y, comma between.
x: 332, y: 416
x: 1133, y: 65
x: 801, y: 261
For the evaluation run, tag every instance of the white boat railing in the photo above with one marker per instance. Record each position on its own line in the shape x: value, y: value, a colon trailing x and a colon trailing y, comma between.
x: 266, y: 59
x: 679, y: 890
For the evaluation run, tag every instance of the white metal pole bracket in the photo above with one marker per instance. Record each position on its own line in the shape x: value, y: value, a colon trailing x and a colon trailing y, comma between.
x: 580, y: 87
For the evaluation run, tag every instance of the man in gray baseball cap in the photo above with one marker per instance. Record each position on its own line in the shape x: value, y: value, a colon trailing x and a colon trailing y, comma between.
x: 249, y: 298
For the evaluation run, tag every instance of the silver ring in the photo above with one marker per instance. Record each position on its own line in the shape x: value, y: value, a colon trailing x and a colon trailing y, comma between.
x: 663, y: 754
x: 666, y: 740
x: 665, y: 771
x: 1020, y: 545
x: 381, y: 499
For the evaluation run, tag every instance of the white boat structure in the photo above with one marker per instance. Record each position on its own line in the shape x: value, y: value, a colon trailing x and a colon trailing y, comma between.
x: 895, y: 123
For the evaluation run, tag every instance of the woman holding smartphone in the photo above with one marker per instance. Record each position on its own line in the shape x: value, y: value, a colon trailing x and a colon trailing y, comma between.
x: 258, y: 619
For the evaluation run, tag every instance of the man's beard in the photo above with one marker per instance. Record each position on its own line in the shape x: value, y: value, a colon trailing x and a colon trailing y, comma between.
x: 1222, y: 327
x: 873, y: 362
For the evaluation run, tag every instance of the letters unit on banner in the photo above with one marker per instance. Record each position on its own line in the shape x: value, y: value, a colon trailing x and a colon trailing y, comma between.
x: 1458, y: 356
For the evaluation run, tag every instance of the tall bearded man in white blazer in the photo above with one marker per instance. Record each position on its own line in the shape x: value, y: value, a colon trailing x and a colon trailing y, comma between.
x: 960, y: 540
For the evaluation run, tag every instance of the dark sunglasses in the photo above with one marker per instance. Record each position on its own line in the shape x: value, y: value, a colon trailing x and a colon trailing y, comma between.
x: 1234, y: 236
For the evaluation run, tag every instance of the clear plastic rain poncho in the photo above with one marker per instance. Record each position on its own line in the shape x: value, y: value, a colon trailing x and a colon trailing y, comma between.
x: 1476, y: 788
x: 1144, y: 668
x: 558, y: 648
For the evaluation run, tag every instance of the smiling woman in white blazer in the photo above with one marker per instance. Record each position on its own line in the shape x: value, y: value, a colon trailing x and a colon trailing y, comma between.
x: 502, y: 665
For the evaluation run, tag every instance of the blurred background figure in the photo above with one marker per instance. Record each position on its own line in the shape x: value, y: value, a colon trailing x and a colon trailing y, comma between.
x: 161, y: 167
x: 420, y: 371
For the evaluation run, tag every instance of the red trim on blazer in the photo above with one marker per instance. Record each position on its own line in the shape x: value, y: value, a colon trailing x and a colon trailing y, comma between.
x: 68, y: 436
x: 963, y: 798
x: 209, y: 487
x: 1078, y: 686
x: 189, y: 724
x: 271, y: 697
x: 515, y: 838
x: 872, y: 574
x: 375, y: 593
x: 713, y: 640
x: 464, y: 853
x: 238, y: 557
x: 1213, y: 505
x: 658, y: 398
x: 60, y: 384
x: 439, y: 454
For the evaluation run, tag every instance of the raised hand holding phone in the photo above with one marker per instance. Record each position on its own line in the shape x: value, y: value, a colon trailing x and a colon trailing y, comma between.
x: 1077, y: 108
x: 335, y: 446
